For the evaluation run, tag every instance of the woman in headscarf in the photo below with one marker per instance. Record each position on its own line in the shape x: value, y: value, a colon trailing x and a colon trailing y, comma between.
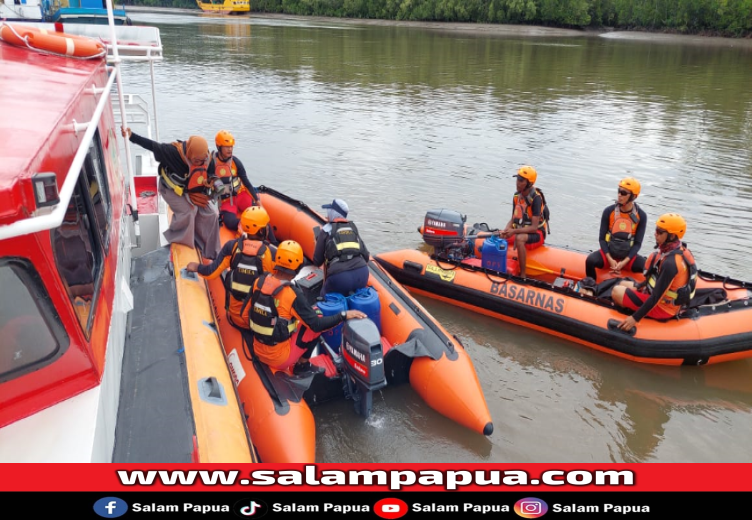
x: 341, y: 251
x: 184, y: 185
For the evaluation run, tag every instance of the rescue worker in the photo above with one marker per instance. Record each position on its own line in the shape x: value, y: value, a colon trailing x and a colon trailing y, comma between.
x: 622, y: 230
x: 670, y: 277
x: 285, y: 328
x: 184, y: 186
x: 341, y: 252
x: 237, y: 192
x: 247, y: 257
x: 527, y: 228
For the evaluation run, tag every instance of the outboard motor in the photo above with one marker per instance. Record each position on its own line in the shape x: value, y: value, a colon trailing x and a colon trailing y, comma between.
x: 363, y: 363
x: 444, y: 229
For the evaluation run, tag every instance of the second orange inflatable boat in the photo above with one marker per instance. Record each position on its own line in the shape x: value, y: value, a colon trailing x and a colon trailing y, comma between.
x: 463, y: 271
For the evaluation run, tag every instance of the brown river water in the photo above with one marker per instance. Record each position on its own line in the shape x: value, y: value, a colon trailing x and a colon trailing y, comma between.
x: 398, y: 119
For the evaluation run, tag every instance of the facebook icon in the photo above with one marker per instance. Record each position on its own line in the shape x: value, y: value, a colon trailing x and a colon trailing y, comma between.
x: 110, y: 507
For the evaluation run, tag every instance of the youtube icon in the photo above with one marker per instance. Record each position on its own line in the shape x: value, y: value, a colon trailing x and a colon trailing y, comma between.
x: 390, y: 508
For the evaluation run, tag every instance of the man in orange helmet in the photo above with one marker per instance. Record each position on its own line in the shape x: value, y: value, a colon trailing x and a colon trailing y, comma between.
x: 285, y: 328
x: 622, y: 230
x: 670, y: 277
x: 237, y: 192
x: 527, y: 228
x: 247, y: 257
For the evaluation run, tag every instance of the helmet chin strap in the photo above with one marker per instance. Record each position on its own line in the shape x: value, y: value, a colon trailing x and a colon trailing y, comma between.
x: 622, y: 206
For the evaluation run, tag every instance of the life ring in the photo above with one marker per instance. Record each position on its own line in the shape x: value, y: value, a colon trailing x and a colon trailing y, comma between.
x: 63, y: 44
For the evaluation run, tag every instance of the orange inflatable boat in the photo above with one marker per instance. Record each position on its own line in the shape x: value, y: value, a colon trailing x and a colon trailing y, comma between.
x: 470, y: 269
x: 407, y: 345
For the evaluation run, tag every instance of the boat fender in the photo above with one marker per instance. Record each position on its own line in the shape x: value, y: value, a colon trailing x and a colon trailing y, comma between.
x: 614, y: 325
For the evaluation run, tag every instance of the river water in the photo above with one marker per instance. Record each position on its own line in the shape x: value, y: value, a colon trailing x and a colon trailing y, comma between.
x: 400, y: 119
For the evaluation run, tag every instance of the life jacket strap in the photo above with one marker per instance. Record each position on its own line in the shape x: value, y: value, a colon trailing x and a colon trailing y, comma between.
x: 174, y: 187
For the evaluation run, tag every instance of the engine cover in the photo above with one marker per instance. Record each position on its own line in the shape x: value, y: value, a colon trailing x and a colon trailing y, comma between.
x: 363, y: 354
x: 443, y: 228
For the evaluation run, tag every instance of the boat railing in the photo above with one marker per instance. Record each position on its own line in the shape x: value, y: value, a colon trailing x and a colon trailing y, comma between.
x: 53, y: 219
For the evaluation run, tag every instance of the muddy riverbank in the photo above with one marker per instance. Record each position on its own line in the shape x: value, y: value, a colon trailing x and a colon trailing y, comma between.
x: 478, y: 29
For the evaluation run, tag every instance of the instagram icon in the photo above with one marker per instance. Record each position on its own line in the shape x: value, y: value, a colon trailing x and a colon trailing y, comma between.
x: 530, y: 507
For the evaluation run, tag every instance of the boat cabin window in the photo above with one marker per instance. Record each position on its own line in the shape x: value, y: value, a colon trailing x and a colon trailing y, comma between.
x: 31, y: 335
x: 77, y: 245
x: 95, y: 173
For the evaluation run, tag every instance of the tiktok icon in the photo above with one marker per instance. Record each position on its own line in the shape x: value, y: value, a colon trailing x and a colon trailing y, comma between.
x: 250, y: 508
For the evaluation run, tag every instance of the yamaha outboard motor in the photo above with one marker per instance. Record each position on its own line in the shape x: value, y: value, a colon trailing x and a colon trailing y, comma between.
x: 363, y: 363
x: 444, y: 229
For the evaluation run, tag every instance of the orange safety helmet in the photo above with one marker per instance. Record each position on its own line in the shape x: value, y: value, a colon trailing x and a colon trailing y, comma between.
x: 289, y: 256
x: 224, y: 138
x: 673, y: 223
x: 630, y: 184
x: 254, y: 220
x: 528, y: 173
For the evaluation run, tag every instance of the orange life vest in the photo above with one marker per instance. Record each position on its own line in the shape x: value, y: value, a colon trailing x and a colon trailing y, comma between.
x: 523, y: 210
x: 227, y: 172
x: 621, y: 223
x: 682, y: 287
x: 196, y: 180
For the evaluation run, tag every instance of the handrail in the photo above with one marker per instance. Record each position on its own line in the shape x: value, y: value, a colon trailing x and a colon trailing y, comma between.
x: 55, y: 218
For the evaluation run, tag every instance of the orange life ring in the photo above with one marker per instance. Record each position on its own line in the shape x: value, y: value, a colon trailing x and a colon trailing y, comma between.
x: 55, y: 42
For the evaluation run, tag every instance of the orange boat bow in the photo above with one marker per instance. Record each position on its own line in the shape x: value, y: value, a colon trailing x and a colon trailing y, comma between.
x: 437, y: 382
